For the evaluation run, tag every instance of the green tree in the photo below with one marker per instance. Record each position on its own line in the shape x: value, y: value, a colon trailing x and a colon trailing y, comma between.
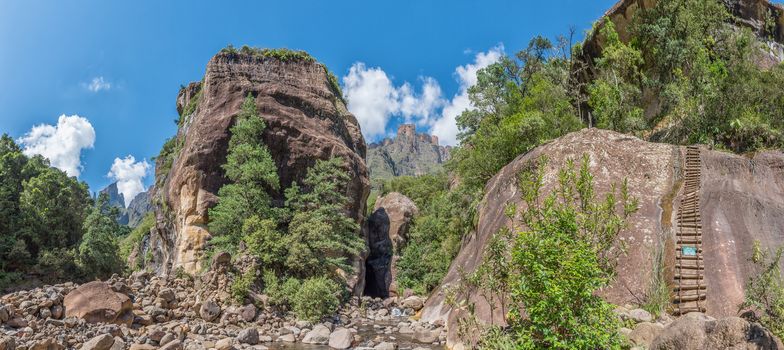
x: 252, y: 173
x: 322, y: 237
x: 53, y: 207
x: 99, y: 252
x: 615, y: 95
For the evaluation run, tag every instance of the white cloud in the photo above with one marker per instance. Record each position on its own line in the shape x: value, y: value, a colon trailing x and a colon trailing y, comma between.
x: 374, y: 99
x: 445, y: 127
x: 98, y: 84
x: 129, y: 175
x: 371, y: 98
x: 62, y: 144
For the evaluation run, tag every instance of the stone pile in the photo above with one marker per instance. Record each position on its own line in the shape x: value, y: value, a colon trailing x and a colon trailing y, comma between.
x: 144, y: 311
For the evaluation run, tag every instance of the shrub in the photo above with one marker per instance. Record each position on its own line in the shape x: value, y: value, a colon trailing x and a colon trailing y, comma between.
x: 316, y: 298
x: 279, y: 294
x: 765, y: 290
x: 241, y: 286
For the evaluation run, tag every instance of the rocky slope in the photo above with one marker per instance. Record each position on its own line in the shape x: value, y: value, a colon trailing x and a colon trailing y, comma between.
x: 145, y: 312
x: 409, y: 153
x: 742, y: 200
x: 306, y: 120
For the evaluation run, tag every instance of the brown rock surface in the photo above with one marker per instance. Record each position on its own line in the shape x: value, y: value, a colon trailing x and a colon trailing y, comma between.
x: 96, y: 302
x: 742, y: 200
x: 306, y: 121
x: 694, y: 333
x: 387, y: 233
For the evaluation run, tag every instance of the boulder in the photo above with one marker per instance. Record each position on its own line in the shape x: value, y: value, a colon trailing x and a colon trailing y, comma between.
x: 413, y: 302
x: 7, y: 343
x: 248, y: 336
x: 640, y: 315
x: 387, y: 233
x: 96, y: 302
x: 319, y: 335
x: 427, y: 335
x: 248, y: 312
x: 101, y: 342
x: 306, y: 118
x: 644, y: 333
x: 172, y: 345
x: 209, y: 310
x: 694, y: 333
x: 341, y: 338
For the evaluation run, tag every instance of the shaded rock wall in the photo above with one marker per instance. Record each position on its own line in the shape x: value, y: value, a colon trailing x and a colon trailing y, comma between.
x: 306, y: 121
x: 387, y: 234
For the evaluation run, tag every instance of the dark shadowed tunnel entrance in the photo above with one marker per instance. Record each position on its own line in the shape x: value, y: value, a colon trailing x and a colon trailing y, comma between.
x: 378, y: 267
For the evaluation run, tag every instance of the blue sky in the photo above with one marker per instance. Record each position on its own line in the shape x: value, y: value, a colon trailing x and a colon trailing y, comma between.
x: 119, y: 64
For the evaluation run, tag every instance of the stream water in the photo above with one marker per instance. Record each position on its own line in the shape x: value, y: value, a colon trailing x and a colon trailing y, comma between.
x: 369, y: 331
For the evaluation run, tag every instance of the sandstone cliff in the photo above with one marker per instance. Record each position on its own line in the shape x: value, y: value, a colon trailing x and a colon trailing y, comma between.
x: 409, y: 153
x: 742, y: 200
x: 306, y: 120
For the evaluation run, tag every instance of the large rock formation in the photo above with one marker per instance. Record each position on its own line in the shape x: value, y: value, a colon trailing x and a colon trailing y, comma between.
x: 409, y: 153
x: 117, y: 200
x: 138, y: 208
x: 306, y: 118
x: 742, y: 200
x: 387, y: 234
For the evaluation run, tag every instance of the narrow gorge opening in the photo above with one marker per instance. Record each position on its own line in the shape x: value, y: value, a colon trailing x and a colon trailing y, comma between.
x: 378, y: 266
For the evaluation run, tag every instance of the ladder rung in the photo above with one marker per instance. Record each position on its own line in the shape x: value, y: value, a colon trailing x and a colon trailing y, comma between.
x: 690, y: 287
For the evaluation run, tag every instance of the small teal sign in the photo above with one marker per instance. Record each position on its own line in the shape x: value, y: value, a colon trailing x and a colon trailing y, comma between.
x: 689, y: 251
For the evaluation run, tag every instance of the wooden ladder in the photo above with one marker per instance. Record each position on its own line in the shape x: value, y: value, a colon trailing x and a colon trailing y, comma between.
x: 689, y: 292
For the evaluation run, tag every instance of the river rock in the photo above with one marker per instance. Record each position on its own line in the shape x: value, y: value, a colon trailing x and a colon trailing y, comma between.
x: 101, y: 342
x: 341, y: 338
x: 319, y: 335
x: 248, y: 336
x: 209, y: 310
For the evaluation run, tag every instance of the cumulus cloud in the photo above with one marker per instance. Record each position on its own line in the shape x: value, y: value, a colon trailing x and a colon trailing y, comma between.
x: 62, y: 144
x: 445, y: 127
x: 98, y: 84
x: 129, y: 175
x: 374, y: 99
x: 371, y: 98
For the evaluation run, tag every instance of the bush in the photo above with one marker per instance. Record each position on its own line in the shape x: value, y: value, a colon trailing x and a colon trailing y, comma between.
x: 241, y: 286
x: 316, y: 298
x: 567, y: 253
x: 765, y: 290
x: 280, y: 294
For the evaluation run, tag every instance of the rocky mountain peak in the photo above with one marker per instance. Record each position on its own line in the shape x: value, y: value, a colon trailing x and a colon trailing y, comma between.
x: 409, y: 153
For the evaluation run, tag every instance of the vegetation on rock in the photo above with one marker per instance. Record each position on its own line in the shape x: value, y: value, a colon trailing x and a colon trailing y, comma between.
x: 564, y: 253
x: 310, y: 240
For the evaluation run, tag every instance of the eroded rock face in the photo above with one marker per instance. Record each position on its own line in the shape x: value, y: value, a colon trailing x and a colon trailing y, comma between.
x: 742, y: 200
x: 306, y: 121
x: 387, y: 234
x: 96, y: 302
